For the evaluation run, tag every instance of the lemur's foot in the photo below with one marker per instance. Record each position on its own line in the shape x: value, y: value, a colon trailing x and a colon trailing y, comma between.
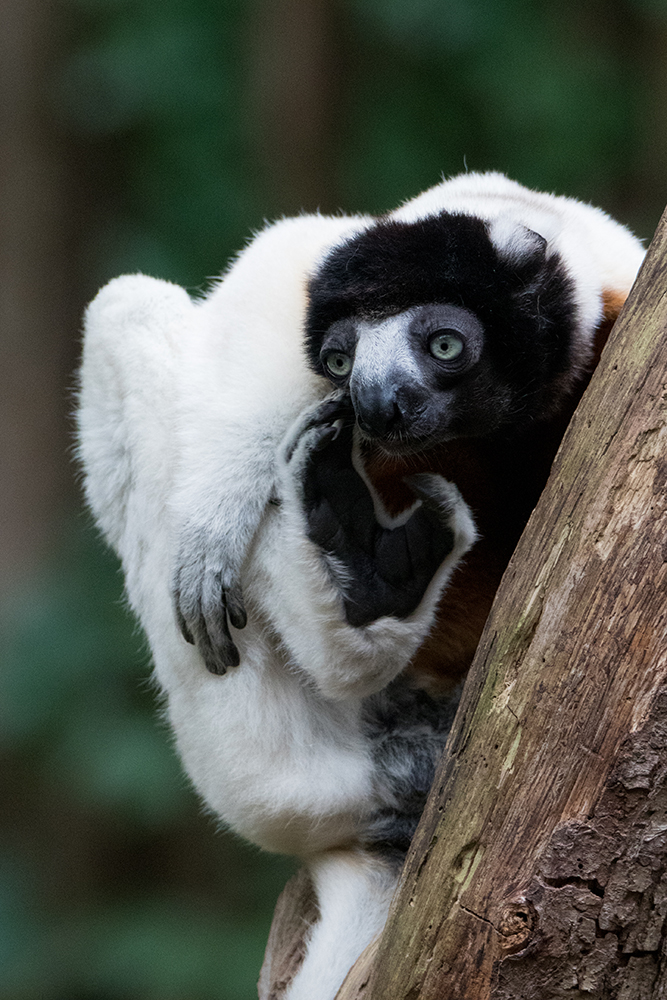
x: 208, y: 598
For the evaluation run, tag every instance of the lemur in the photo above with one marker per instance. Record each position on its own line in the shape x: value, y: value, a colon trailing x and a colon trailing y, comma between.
x: 292, y: 470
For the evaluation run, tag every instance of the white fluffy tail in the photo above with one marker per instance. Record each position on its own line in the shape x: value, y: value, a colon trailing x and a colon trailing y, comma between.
x: 354, y: 890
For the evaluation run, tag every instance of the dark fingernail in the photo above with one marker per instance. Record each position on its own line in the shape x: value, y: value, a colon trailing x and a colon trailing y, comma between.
x: 236, y: 611
x: 215, y: 667
x: 237, y: 616
x: 224, y: 652
x: 328, y: 435
x: 231, y: 656
x: 185, y: 631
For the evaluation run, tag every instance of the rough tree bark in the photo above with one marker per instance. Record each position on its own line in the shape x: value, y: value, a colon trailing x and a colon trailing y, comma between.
x: 539, y: 869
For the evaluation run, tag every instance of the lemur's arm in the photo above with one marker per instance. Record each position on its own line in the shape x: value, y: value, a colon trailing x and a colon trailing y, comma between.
x: 228, y: 375
x: 244, y: 380
x: 226, y: 476
x: 352, y: 599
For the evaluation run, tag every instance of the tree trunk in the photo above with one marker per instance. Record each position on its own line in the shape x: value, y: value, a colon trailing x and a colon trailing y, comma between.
x: 539, y: 869
x: 37, y: 313
x: 293, y: 83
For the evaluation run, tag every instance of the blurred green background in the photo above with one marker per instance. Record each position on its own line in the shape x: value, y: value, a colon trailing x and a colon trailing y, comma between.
x: 155, y: 135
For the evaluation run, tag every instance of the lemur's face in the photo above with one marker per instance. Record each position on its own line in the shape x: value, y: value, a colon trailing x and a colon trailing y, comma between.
x: 443, y: 328
x: 417, y: 378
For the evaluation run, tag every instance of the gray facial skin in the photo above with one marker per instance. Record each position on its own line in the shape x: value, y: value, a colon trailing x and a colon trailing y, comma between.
x: 417, y: 378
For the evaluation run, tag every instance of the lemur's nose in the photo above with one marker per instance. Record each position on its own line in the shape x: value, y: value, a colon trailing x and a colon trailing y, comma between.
x: 377, y: 409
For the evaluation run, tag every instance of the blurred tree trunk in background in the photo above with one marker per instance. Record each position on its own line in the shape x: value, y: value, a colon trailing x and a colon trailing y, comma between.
x: 35, y: 288
x: 295, y: 81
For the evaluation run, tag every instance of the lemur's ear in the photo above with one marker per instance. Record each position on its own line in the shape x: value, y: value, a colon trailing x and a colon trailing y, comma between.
x: 516, y: 244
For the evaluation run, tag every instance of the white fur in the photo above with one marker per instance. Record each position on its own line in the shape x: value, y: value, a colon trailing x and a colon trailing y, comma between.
x: 188, y: 413
x: 245, y: 343
x: 354, y: 891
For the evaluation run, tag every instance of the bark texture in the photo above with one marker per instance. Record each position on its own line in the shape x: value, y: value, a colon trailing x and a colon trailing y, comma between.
x: 539, y: 868
x: 597, y: 903
x: 296, y: 911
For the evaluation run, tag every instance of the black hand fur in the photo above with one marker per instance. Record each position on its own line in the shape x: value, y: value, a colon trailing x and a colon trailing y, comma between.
x: 387, y: 570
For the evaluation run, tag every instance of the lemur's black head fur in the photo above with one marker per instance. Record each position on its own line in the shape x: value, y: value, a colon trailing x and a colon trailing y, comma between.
x: 383, y: 304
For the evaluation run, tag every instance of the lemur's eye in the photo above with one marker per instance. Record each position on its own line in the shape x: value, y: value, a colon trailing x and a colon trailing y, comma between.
x: 339, y: 364
x: 445, y: 345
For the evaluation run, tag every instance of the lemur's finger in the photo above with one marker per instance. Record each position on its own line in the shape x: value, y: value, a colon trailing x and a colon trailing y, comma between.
x: 332, y: 409
x: 323, y: 436
x: 185, y: 612
x: 213, y: 637
x: 233, y: 598
x: 215, y: 643
x: 183, y: 625
x: 337, y: 407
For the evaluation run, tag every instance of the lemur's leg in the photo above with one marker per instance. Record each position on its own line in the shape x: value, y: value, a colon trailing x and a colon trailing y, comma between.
x: 164, y: 471
x: 137, y: 332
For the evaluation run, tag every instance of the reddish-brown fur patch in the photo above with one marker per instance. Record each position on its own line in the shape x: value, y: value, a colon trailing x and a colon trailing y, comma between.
x: 612, y: 303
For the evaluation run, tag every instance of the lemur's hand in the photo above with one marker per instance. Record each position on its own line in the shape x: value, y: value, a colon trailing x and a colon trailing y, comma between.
x: 381, y: 569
